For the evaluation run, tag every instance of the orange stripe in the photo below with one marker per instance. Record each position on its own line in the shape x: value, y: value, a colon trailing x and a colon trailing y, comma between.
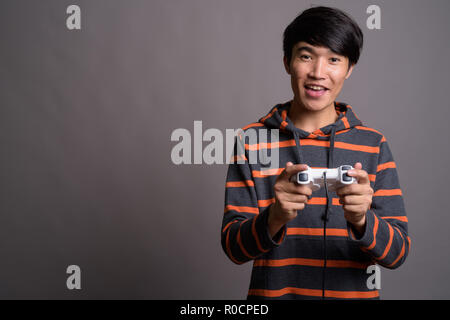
x: 267, y: 172
x: 282, y: 292
x: 269, y: 145
x: 241, y: 246
x: 313, y: 293
x: 311, y: 142
x: 401, y: 218
x: 341, y: 145
x: 317, y: 232
x: 269, y: 115
x: 318, y: 132
x: 312, y: 201
x: 355, y: 147
x: 227, y: 242
x: 228, y: 224
x: 282, y: 236
x: 237, y: 184
x: 241, y: 209
x: 375, y: 230
x: 372, y: 177
x: 386, y: 165
x: 251, y: 125
x: 345, y: 121
x: 388, y: 246
x: 309, y: 263
x: 323, y: 201
x: 255, y: 236
x: 237, y: 158
x: 317, y: 143
x: 368, y: 129
x: 388, y: 192
x: 402, y: 252
x: 352, y: 294
x: 266, y: 202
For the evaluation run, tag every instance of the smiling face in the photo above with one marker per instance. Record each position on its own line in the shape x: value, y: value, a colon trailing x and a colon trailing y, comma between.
x: 317, y: 75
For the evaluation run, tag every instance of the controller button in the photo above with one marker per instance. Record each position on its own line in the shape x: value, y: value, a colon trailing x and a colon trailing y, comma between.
x: 346, y: 177
x: 303, y: 177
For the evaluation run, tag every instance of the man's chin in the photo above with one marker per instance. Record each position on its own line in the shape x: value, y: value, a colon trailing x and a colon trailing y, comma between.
x: 316, y: 106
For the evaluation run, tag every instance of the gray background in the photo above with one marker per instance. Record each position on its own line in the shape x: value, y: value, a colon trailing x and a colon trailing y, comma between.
x: 85, y: 125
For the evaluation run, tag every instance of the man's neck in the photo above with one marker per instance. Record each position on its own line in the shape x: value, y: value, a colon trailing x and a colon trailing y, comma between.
x: 310, y: 121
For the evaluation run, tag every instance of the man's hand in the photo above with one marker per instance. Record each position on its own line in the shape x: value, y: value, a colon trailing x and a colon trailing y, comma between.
x: 356, y: 198
x: 289, y: 197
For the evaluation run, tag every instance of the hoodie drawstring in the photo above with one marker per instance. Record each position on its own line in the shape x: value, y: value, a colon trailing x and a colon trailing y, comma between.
x: 297, y: 143
x: 328, y: 207
x: 330, y: 165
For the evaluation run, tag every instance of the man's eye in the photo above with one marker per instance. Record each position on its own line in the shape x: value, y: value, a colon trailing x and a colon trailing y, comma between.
x: 334, y: 60
x: 305, y: 57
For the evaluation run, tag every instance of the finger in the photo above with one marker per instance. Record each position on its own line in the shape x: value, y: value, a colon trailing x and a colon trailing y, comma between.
x: 354, y: 189
x: 302, y: 189
x: 298, y: 198
x: 292, y: 169
x: 361, y: 175
x: 352, y: 200
x: 296, y: 189
x: 354, y: 209
x: 288, y: 206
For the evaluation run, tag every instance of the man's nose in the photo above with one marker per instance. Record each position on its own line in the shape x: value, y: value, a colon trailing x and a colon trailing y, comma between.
x: 318, y: 69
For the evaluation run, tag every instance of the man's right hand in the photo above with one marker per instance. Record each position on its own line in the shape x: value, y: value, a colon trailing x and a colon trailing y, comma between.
x: 289, y: 197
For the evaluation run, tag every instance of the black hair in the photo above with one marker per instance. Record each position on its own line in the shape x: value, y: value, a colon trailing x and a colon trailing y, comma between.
x: 327, y: 27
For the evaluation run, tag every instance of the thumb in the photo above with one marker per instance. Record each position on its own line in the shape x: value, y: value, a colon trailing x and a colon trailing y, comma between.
x: 292, y: 169
x: 284, y: 174
x: 358, y: 166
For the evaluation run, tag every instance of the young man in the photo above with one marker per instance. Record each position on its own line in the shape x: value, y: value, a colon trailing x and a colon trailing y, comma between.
x: 306, y: 244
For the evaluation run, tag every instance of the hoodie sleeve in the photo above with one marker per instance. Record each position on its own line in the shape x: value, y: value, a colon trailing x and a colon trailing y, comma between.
x: 386, y: 235
x: 245, y: 235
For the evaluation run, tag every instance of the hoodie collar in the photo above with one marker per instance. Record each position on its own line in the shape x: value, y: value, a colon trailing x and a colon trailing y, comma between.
x: 277, y: 118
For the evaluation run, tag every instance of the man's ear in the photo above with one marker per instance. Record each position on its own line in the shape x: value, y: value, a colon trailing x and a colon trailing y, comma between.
x: 349, y: 72
x: 286, y: 65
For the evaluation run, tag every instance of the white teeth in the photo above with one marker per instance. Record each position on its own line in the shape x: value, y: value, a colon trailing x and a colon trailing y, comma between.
x: 316, y: 88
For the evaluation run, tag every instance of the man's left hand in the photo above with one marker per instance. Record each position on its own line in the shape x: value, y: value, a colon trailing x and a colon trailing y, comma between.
x: 356, y: 198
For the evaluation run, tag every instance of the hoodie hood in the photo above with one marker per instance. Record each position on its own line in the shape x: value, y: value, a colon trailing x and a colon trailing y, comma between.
x: 277, y: 119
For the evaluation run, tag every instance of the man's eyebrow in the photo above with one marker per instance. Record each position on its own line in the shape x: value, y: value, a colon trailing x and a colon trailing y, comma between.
x: 309, y: 49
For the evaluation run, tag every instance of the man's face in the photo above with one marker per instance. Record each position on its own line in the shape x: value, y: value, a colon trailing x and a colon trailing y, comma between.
x: 317, y: 75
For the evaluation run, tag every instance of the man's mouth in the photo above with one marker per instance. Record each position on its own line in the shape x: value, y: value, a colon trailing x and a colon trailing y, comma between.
x: 315, y: 87
x: 314, y: 91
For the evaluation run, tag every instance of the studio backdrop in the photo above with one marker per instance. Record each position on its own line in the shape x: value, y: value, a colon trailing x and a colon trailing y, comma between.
x: 92, y: 92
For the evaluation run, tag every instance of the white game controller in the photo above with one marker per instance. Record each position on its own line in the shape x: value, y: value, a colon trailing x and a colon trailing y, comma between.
x: 314, y: 178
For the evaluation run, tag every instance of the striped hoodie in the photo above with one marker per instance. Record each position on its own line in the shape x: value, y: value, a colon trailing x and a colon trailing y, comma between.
x: 316, y: 255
